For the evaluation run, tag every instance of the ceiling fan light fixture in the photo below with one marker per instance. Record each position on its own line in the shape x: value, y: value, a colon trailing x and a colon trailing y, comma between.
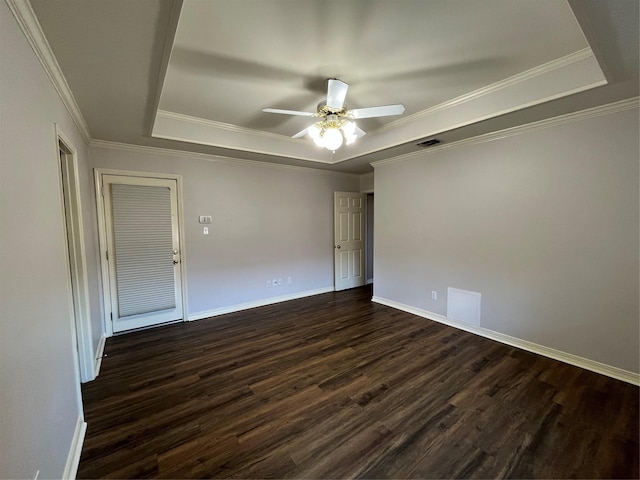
x: 336, y: 125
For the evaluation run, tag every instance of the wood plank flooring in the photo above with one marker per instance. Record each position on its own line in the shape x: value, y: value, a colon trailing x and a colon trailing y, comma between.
x: 335, y: 386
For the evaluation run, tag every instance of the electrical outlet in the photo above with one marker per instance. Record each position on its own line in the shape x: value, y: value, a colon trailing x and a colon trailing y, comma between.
x: 434, y: 295
x: 268, y: 283
x: 289, y: 280
x: 274, y: 282
x: 279, y: 281
x: 205, y: 230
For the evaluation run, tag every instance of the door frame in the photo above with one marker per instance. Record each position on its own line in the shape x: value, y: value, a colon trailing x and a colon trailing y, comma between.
x: 102, y: 237
x: 70, y: 197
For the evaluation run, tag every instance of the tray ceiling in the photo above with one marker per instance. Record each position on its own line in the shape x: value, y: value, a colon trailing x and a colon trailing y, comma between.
x: 211, y: 66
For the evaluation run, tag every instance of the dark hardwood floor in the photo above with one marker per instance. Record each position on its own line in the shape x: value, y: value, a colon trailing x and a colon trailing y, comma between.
x: 334, y: 386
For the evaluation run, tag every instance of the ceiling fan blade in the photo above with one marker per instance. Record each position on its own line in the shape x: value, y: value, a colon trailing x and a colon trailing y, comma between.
x: 288, y: 112
x: 384, y: 111
x: 336, y: 93
x: 301, y: 133
x: 360, y: 133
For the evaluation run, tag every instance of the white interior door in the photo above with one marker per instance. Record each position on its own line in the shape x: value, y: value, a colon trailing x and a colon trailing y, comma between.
x: 349, y: 240
x: 143, y: 251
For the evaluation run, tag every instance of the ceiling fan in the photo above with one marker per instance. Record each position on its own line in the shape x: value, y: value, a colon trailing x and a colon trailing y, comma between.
x: 336, y: 123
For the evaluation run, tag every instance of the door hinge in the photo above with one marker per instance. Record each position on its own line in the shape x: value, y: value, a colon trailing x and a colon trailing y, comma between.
x: 111, y: 314
x: 106, y: 252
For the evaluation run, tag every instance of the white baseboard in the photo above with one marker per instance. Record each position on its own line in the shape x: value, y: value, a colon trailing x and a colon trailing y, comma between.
x: 73, y: 458
x: 99, y: 355
x: 257, y: 303
x: 608, y: 370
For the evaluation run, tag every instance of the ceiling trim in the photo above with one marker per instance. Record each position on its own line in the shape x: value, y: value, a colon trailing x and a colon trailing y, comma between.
x: 522, y: 77
x: 609, y: 109
x: 566, y: 76
x: 185, y: 128
x: 213, y: 158
x: 225, y: 126
x: 167, y: 50
x: 28, y: 22
x: 563, y: 76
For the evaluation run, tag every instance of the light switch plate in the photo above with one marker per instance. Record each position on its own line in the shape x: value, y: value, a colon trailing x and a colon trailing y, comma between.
x: 204, y: 219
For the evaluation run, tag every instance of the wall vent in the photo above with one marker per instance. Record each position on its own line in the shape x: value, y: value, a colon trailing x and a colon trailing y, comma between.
x: 428, y: 143
x: 463, y: 306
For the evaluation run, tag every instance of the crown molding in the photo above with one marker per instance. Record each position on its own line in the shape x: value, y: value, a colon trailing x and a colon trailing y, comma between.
x: 214, y: 158
x: 28, y: 22
x: 186, y: 128
x: 608, y: 109
x: 228, y: 127
x: 525, y: 76
x: 558, y: 78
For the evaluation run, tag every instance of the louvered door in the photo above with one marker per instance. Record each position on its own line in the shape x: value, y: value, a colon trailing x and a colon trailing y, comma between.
x: 144, y: 251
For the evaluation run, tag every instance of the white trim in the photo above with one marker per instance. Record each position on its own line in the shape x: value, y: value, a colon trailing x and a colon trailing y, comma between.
x: 559, y: 78
x: 592, y: 365
x: 369, y: 281
x: 258, y: 303
x: 31, y: 28
x: 185, y: 128
x: 76, y: 252
x: 601, y: 110
x: 227, y: 127
x: 127, y: 147
x: 75, y: 449
x: 167, y: 52
x: 99, y: 354
x: 102, y: 248
x: 527, y: 75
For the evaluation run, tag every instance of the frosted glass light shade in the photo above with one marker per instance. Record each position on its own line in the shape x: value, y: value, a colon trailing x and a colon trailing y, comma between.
x: 349, y: 128
x: 351, y: 138
x: 332, y: 139
x: 314, y: 131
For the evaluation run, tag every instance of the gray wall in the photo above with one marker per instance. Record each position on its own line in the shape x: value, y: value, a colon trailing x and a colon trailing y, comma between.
x: 544, y: 225
x: 39, y: 385
x: 268, y: 222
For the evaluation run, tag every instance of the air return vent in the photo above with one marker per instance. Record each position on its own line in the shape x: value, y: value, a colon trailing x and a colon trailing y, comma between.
x: 429, y: 143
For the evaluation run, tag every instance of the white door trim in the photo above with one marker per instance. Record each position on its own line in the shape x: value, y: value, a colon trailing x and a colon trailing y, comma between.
x: 74, y: 242
x: 102, y: 237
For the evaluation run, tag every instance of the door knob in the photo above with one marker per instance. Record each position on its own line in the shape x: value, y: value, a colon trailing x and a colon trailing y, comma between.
x: 338, y: 247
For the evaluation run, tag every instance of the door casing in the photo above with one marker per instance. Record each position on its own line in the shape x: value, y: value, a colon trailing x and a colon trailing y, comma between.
x: 76, y: 253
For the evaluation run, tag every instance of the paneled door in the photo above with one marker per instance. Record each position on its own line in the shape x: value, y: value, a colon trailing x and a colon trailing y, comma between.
x: 142, y: 251
x: 348, y: 240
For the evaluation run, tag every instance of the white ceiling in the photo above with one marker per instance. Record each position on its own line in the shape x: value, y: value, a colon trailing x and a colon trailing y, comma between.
x: 196, y: 74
